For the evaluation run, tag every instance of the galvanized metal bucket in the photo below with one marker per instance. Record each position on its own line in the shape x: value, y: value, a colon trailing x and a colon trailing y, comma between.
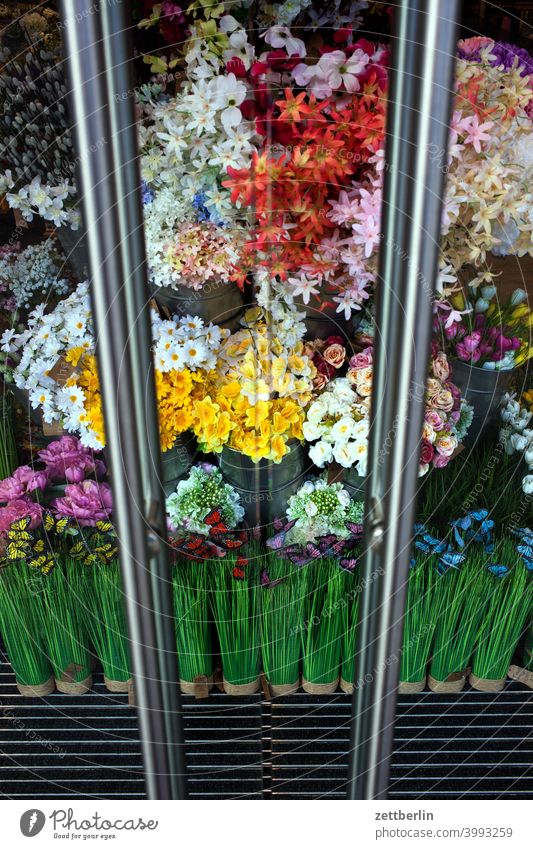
x: 483, y: 389
x: 327, y: 322
x: 354, y: 484
x: 176, y: 463
x: 220, y: 303
x: 74, y: 248
x: 264, y: 487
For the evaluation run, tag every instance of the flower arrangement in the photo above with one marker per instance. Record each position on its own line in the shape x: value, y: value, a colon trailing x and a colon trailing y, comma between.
x: 199, y: 494
x: 328, y: 356
x: 184, y: 352
x: 319, y: 509
x: 488, y: 334
x: 325, y: 132
x: 489, y: 167
x: 25, y: 274
x: 254, y: 402
x: 517, y: 436
x: 337, y: 422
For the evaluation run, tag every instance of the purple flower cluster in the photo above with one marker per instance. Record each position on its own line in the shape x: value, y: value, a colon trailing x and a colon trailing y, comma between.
x: 67, y: 459
x: 482, y: 343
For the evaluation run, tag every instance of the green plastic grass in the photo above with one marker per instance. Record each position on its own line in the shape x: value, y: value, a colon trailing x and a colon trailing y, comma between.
x: 321, y: 637
x: 190, y: 587
x: 20, y: 625
x: 282, y: 618
x: 420, y: 619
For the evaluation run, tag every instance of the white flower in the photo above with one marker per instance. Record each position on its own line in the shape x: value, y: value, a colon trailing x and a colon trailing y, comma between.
x: 280, y: 37
x: 344, y: 497
x: 338, y: 69
x: 312, y: 431
x: 321, y: 454
x: 518, y: 442
x: 345, y: 454
x: 228, y: 94
x: 343, y: 429
x: 527, y: 484
x: 311, y: 509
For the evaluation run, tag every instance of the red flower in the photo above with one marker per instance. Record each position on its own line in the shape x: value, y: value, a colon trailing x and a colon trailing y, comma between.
x: 235, y: 65
x: 427, y: 452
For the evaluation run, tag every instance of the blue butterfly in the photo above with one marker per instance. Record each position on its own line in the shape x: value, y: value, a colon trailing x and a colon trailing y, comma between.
x: 525, y: 550
x: 479, y: 515
x: 498, y: 570
x: 449, y: 560
x: 528, y: 564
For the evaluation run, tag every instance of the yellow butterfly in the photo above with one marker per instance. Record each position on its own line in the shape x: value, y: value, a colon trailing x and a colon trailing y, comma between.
x: 17, y: 530
x: 58, y: 526
x: 17, y: 550
x: 106, y: 552
x: 78, y: 550
x: 45, y: 563
x: 104, y: 527
x: 39, y: 546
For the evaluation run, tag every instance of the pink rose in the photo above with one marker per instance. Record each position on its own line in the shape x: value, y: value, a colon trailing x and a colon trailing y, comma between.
x: 11, y: 488
x: 440, y: 461
x: 433, y: 419
x: 335, y: 355
x: 362, y: 360
x: 319, y: 382
x: 32, y: 478
x: 446, y: 445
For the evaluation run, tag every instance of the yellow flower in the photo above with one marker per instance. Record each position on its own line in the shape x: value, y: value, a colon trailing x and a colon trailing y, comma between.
x: 255, y: 446
x: 257, y: 414
x: 74, y: 355
x: 231, y: 389
x: 205, y: 411
x: 278, y: 448
x: 520, y: 311
x: 280, y: 424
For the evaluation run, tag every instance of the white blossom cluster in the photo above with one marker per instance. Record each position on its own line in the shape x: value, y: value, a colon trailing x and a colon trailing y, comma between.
x: 337, y: 424
x: 517, y: 436
x: 36, y: 198
x: 36, y: 270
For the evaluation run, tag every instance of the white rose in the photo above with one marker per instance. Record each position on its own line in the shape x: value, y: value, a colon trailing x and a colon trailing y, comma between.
x: 321, y: 454
x: 343, y: 429
x: 345, y: 454
x: 312, y: 431
x: 306, y: 488
x: 315, y: 412
x: 344, y: 498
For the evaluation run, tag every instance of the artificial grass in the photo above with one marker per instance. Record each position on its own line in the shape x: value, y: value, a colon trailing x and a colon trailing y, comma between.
x: 420, y: 618
x: 62, y: 623
x: 321, y: 636
x: 235, y: 604
x: 190, y: 589
x: 20, y: 625
x: 98, y: 590
x: 8, y: 445
x: 349, y: 610
x: 509, y: 602
x: 282, y: 619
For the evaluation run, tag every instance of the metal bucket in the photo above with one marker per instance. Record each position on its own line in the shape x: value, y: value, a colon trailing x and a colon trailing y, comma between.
x: 483, y: 389
x: 73, y: 244
x: 355, y: 484
x: 176, y: 463
x: 264, y: 487
x: 327, y: 322
x: 219, y: 303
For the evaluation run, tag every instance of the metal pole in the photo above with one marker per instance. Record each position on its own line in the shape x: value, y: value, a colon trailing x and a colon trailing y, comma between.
x: 109, y: 185
x: 419, y: 111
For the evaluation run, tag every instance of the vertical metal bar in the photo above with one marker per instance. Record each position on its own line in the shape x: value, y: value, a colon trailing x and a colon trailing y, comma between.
x: 419, y: 111
x: 109, y: 186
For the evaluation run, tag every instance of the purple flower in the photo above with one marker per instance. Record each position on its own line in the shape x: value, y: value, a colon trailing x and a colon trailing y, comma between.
x: 506, y: 54
x: 32, y: 478
x: 87, y: 502
x: 440, y: 461
x: 67, y: 459
x: 11, y: 488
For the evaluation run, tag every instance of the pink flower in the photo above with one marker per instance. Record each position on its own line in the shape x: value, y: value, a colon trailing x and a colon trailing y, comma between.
x: 427, y: 452
x: 19, y: 509
x: 440, y: 461
x: 434, y: 419
x: 11, y: 488
x: 362, y: 360
x: 88, y: 502
x: 338, y: 69
x: 67, y: 459
x: 335, y: 355
x: 476, y: 132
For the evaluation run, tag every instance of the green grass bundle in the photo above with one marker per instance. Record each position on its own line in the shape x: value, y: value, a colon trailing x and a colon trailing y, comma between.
x: 527, y: 660
x: 349, y: 611
x: 235, y: 602
x: 64, y: 629
x: 420, y: 619
x: 282, y: 619
x: 508, y: 610
x: 8, y: 445
x: 459, y: 606
x: 20, y: 627
x: 97, y: 589
x: 192, y: 615
x: 321, y: 637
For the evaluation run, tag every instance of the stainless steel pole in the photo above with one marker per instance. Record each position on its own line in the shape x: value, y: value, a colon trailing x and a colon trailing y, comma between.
x: 99, y: 67
x: 419, y: 111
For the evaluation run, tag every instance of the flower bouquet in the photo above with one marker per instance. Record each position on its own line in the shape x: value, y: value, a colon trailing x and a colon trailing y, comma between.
x: 196, y: 496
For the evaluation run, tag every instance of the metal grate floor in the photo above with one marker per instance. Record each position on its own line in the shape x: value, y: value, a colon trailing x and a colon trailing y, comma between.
x: 473, y: 745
